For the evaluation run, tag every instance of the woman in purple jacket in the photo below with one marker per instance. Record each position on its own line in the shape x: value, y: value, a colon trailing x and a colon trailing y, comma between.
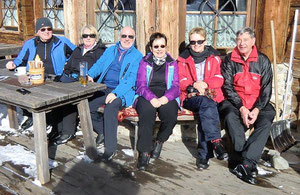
x: 158, y: 90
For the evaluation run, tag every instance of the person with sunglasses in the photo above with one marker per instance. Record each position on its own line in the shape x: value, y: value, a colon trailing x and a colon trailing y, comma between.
x: 200, y: 85
x: 53, y: 50
x: 157, y: 86
x: 117, y: 69
x: 89, y: 50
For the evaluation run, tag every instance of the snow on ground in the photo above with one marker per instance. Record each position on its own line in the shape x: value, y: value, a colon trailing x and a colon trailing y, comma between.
x: 17, y: 154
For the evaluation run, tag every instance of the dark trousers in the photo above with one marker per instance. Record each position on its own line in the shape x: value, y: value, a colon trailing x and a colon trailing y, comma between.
x: 252, y: 148
x: 107, y: 122
x: 63, y: 119
x: 208, y: 123
x: 147, y: 113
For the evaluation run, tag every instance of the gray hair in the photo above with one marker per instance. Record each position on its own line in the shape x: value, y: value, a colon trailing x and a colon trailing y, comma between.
x: 246, y: 30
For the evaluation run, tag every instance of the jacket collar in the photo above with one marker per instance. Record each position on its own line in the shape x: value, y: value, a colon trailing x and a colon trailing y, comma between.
x: 98, y: 45
x: 236, y: 57
x: 54, y: 40
x: 148, y: 58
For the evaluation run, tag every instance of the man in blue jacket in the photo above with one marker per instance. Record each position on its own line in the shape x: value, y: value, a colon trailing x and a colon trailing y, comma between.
x: 117, y: 68
x: 54, y: 51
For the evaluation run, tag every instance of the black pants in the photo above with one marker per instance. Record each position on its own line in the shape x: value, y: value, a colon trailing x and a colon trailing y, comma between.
x: 208, y: 123
x: 147, y: 113
x: 63, y: 119
x: 252, y: 148
x: 107, y: 123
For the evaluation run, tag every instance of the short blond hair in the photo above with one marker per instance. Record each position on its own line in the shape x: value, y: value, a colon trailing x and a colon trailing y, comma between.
x: 93, y: 31
x: 198, y: 30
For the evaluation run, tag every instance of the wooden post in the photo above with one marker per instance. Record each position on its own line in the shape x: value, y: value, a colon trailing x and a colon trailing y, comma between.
x: 26, y: 16
x: 75, y: 17
x: 38, y: 9
x: 12, y: 117
x: 278, y: 11
x: 145, y: 23
x: 41, y: 147
x: 87, y: 129
x: 167, y: 17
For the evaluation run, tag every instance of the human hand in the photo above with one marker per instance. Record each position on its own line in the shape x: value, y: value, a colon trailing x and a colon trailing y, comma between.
x: 253, y: 116
x: 155, y: 103
x: 110, y: 98
x: 200, y: 86
x: 245, y: 115
x: 163, y: 100
x: 10, y: 65
x: 90, y: 79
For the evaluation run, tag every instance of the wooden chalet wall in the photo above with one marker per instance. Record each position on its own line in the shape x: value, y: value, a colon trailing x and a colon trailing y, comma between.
x: 26, y: 26
x: 167, y: 17
x: 295, y: 4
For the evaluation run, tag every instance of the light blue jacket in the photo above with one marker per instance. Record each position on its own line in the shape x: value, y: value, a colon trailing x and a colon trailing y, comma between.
x: 126, y: 88
x: 28, y: 53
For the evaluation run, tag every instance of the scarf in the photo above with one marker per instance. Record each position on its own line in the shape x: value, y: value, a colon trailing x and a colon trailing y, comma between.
x: 199, y: 57
x: 160, y: 61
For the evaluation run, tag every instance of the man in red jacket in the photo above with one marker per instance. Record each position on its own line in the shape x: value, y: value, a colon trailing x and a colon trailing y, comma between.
x: 247, y: 88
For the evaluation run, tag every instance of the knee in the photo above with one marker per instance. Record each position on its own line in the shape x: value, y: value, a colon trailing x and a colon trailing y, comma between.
x: 239, y: 147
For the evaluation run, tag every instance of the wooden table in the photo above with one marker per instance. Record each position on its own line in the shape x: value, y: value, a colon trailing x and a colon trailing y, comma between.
x: 42, y: 99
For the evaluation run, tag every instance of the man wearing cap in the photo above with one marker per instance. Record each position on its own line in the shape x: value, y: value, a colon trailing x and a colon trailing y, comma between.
x: 54, y: 51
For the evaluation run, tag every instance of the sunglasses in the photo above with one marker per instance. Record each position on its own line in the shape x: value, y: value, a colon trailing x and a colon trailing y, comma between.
x: 89, y: 35
x: 44, y: 29
x: 129, y: 36
x: 199, y: 42
x: 157, y: 46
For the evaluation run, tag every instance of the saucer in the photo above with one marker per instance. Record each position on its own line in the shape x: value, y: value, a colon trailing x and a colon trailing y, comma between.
x: 16, y: 74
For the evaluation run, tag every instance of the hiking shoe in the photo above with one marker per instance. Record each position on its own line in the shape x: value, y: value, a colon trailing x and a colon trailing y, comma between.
x: 244, y: 173
x: 219, y: 150
x: 28, y: 123
x: 143, y: 161
x: 64, y: 139
x: 107, y: 156
x: 202, y: 163
x: 254, y: 172
x: 99, y: 139
x: 53, y: 135
x: 157, y: 149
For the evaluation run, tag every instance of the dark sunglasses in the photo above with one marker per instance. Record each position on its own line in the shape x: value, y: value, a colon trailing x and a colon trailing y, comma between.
x: 89, y: 35
x: 129, y: 36
x: 44, y: 29
x: 199, y: 42
x: 157, y: 46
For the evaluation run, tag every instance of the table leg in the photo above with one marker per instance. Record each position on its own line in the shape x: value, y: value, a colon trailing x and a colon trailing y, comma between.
x: 41, y: 147
x: 12, y: 117
x: 87, y: 129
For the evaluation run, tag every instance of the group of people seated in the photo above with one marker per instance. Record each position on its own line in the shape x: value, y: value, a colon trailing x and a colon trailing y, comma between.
x: 237, y: 90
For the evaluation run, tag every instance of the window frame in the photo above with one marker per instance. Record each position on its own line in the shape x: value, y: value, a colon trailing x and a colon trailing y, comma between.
x: 248, y: 13
x: 10, y: 28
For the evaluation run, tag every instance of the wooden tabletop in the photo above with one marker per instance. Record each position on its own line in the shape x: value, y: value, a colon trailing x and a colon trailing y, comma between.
x: 46, y: 96
x: 9, y: 49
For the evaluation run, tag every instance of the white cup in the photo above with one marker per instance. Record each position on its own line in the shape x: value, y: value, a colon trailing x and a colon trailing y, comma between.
x: 20, y: 70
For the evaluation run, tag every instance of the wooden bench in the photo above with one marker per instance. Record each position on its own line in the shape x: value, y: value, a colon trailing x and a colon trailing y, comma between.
x: 7, y: 51
x: 130, y: 115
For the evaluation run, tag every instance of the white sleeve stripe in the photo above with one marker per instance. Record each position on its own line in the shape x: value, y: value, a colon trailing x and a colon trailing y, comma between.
x: 183, y: 79
x: 220, y: 76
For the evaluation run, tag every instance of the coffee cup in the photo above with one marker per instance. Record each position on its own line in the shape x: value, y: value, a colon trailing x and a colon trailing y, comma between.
x: 20, y: 70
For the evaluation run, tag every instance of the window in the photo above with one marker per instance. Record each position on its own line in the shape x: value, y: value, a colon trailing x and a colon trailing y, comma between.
x: 54, y: 10
x: 9, y: 15
x: 112, y: 16
x: 220, y: 18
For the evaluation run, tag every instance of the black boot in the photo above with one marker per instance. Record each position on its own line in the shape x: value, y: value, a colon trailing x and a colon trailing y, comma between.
x: 244, y: 173
x: 219, y: 150
x: 157, y: 149
x: 143, y: 161
x: 202, y: 163
x: 28, y: 123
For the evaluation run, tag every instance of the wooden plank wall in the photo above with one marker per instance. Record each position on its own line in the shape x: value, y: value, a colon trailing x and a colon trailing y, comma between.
x: 164, y: 17
x: 278, y: 11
